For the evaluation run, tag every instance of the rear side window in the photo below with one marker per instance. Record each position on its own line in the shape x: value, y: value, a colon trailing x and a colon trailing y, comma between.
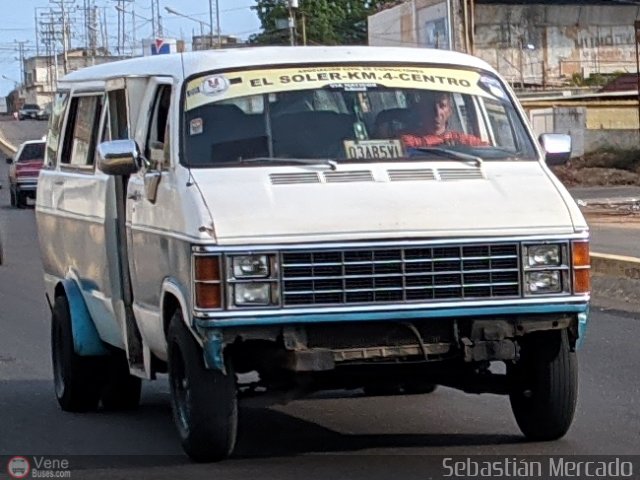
x: 81, y: 131
x: 58, y: 108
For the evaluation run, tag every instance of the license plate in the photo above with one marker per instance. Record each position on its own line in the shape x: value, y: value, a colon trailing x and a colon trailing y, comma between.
x: 373, y: 149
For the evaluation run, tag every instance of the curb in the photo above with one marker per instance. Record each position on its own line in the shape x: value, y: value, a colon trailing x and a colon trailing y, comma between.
x: 6, y: 147
x: 615, y: 266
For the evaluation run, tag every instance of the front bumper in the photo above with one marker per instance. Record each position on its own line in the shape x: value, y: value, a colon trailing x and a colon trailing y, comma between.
x: 30, y: 185
x: 522, y: 317
x: 575, y: 304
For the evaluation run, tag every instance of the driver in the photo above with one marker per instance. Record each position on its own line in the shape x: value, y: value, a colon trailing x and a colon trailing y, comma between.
x: 434, y: 109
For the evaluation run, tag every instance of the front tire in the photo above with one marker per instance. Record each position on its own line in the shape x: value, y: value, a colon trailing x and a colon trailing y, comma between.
x: 77, y: 379
x: 204, y: 402
x: 545, y: 386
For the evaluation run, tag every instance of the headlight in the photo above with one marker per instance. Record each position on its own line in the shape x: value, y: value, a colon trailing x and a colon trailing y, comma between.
x: 543, y: 282
x: 543, y: 255
x: 252, y: 294
x: 251, y: 266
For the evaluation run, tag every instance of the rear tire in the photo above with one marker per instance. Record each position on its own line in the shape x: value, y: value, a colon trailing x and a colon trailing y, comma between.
x: 204, y: 402
x: 121, y: 390
x: 545, y: 386
x: 77, y: 379
x: 21, y: 199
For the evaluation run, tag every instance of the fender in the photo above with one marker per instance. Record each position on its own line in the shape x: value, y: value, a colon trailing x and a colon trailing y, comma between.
x: 211, y: 340
x: 86, y: 341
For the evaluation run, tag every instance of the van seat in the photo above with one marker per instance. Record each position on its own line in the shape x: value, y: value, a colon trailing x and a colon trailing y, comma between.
x: 226, y: 131
x: 316, y: 134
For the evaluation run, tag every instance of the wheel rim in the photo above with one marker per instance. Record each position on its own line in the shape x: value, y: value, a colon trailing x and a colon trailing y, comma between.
x: 58, y: 359
x: 181, y: 389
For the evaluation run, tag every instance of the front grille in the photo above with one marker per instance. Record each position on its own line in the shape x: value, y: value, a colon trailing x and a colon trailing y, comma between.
x: 400, y: 275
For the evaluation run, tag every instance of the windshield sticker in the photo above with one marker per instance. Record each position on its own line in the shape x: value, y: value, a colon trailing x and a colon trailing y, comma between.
x: 492, y: 86
x: 196, y: 127
x: 215, y: 85
x: 373, y: 149
x: 352, y: 78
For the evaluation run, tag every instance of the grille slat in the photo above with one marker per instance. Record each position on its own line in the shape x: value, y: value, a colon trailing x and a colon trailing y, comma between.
x: 395, y: 275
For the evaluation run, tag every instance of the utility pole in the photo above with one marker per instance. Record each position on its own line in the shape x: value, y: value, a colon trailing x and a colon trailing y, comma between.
x: 292, y: 22
x: 218, y: 23
x: 153, y: 19
x: 64, y: 14
x: 35, y: 10
x: 211, y: 24
x: 20, y: 49
x: 156, y: 19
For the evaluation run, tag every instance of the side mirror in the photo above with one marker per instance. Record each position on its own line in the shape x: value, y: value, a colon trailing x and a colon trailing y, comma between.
x: 119, y: 157
x: 9, y: 160
x: 557, y: 148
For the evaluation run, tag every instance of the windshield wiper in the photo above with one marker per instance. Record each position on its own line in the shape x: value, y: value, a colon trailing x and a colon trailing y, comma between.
x: 304, y: 161
x: 465, y: 157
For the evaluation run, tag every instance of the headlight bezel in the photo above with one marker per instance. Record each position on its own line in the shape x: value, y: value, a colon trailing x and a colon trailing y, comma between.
x: 272, y: 278
x: 562, y: 265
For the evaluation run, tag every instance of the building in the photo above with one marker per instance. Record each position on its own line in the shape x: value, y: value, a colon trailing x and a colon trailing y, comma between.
x: 207, y: 42
x: 531, y: 43
x: 42, y: 72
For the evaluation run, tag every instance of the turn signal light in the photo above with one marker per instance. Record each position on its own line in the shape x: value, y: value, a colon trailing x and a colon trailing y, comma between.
x: 581, y: 267
x: 580, y: 252
x: 207, y: 281
x: 208, y: 295
x: 207, y: 269
x: 582, y: 281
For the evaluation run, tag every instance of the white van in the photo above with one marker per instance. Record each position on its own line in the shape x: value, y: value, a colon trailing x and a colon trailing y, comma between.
x: 264, y: 223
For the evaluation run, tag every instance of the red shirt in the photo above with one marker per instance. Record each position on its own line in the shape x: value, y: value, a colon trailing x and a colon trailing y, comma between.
x: 414, y: 141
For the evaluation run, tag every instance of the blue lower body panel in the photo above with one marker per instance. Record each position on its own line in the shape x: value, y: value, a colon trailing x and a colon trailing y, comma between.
x: 86, y: 341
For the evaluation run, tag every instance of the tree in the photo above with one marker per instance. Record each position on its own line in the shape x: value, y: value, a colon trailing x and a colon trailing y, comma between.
x: 328, y: 22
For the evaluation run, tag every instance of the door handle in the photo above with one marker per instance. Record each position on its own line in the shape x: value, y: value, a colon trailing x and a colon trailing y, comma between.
x: 134, y: 196
x: 59, y: 182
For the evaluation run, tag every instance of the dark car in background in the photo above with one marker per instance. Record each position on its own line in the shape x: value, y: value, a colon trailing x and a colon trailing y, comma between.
x: 24, y: 171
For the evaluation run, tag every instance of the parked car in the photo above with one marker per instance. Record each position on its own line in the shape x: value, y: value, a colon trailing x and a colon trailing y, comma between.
x: 32, y: 111
x: 23, y: 173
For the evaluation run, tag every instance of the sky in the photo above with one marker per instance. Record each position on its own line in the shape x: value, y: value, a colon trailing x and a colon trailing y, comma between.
x: 18, y: 24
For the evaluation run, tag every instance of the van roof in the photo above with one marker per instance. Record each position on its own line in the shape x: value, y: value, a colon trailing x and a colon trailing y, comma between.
x: 190, y: 63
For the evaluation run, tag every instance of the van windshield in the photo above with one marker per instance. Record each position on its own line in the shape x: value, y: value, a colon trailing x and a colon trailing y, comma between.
x: 349, y: 113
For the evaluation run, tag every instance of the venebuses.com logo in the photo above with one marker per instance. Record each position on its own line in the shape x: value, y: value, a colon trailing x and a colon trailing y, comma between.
x: 38, y: 467
x: 18, y: 467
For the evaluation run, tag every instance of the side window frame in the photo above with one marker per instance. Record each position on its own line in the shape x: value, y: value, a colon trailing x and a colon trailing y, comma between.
x: 66, y: 147
x: 150, y: 152
x: 58, y: 126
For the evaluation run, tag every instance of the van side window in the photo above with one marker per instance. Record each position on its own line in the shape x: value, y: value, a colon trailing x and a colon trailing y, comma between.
x: 81, y: 131
x: 58, y: 108
x: 156, y: 137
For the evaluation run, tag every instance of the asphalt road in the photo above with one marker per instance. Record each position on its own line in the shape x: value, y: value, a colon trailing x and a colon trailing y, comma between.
x: 17, y: 132
x: 327, y: 438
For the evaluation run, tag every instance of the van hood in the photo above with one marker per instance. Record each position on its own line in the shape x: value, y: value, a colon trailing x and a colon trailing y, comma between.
x: 269, y: 204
